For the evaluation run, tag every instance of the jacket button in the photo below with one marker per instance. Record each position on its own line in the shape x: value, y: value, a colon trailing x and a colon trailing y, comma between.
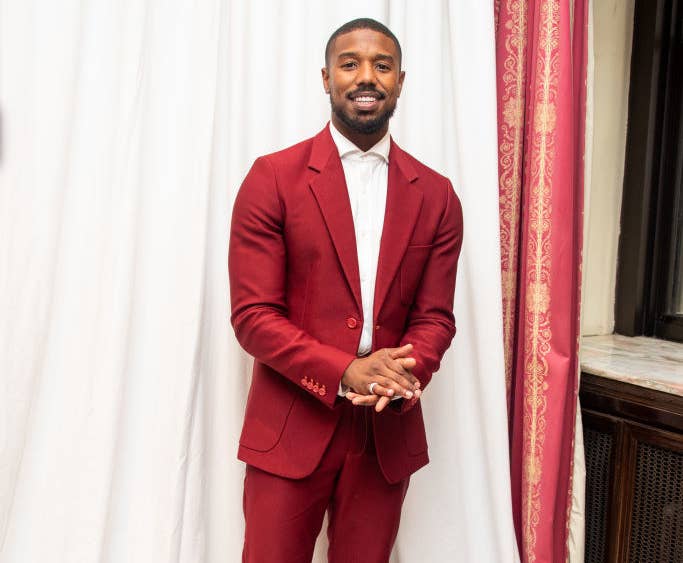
x: 309, y: 384
x: 377, y: 327
x: 351, y: 322
x: 304, y: 381
x: 322, y: 391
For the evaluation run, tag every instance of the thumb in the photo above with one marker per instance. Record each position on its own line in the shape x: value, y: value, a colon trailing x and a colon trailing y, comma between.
x: 400, y: 352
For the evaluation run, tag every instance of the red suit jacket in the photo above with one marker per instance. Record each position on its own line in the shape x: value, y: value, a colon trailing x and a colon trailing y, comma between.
x: 296, y: 301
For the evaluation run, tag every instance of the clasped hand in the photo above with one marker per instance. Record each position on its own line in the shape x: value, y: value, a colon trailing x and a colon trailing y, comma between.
x: 390, y: 370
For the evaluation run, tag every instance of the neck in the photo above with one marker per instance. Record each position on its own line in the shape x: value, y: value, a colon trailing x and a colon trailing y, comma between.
x: 363, y: 141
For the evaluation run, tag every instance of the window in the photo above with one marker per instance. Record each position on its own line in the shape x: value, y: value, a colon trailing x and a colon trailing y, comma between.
x: 649, y: 296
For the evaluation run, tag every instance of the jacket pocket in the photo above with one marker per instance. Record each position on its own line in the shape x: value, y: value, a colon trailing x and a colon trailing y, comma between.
x: 414, y: 431
x: 268, y: 406
x: 411, y: 270
x: 409, y: 425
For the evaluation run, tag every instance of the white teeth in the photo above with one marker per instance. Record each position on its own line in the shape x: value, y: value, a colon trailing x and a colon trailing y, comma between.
x: 365, y: 99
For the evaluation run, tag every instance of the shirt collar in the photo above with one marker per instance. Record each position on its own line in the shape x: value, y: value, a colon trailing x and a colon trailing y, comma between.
x: 346, y: 147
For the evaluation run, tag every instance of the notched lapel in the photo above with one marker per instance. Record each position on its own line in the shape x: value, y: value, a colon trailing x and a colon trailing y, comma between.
x: 404, y: 202
x: 329, y: 189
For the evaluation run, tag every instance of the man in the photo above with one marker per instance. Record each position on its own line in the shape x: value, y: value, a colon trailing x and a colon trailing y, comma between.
x: 343, y: 254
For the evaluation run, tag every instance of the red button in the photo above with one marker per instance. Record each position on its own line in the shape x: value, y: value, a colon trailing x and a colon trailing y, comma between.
x: 351, y: 322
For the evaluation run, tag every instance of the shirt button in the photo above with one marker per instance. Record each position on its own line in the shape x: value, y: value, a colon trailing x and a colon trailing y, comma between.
x: 351, y: 322
x: 377, y: 327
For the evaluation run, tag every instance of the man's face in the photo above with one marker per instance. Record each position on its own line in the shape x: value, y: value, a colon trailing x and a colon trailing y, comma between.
x: 364, y: 80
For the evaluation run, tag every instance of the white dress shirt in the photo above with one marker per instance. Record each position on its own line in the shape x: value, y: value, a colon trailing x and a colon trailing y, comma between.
x: 366, y: 176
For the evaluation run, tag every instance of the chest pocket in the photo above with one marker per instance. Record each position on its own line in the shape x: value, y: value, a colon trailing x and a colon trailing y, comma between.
x: 411, y: 270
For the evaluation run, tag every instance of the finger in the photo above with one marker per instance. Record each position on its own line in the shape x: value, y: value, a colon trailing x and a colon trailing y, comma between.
x: 351, y: 396
x: 383, y: 391
x: 383, y: 402
x: 402, y: 367
x: 408, y: 364
x: 365, y: 400
x: 400, y: 385
x: 401, y: 351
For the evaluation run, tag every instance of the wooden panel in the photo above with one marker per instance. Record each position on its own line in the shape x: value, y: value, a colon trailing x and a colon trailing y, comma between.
x: 644, y: 426
x: 632, y: 402
x: 655, y: 530
x: 603, y: 528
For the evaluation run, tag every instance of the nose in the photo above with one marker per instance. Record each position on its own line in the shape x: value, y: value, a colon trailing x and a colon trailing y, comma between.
x: 366, y: 73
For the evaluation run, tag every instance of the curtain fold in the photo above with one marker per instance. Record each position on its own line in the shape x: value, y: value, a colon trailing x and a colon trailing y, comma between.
x: 127, y: 128
x: 541, y: 72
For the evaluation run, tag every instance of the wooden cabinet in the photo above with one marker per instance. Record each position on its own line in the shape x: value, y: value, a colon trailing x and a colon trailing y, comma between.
x: 634, y: 472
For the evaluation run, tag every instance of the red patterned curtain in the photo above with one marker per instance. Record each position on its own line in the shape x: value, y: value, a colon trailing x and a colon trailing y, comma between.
x: 541, y: 70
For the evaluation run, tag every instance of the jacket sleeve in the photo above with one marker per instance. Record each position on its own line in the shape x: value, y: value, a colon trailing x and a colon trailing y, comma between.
x: 257, y: 266
x: 431, y: 325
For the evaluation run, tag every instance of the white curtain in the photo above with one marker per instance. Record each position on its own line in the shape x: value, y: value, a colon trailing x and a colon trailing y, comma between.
x: 126, y: 128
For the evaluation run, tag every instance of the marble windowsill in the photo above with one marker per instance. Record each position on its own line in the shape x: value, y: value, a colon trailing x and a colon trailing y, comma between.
x: 648, y: 362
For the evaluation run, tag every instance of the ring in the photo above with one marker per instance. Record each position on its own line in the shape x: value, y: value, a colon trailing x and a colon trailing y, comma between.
x: 371, y: 387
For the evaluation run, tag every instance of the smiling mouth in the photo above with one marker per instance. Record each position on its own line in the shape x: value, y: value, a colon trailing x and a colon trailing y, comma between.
x: 366, y: 102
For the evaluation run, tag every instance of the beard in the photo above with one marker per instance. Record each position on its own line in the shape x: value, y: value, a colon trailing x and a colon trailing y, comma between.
x: 360, y: 125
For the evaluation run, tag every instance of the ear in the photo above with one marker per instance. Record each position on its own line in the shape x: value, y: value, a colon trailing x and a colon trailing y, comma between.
x: 401, y: 77
x: 326, y: 79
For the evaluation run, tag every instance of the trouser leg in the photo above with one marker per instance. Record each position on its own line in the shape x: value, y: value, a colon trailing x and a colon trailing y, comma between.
x: 284, y: 516
x: 365, y: 510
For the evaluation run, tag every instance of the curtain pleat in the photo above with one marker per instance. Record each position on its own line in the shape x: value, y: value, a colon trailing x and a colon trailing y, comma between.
x: 127, y: 128
x: 541, y: 72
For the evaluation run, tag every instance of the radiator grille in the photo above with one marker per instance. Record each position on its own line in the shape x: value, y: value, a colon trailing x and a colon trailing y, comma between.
x: 598, y: 446
x: 657, y: 514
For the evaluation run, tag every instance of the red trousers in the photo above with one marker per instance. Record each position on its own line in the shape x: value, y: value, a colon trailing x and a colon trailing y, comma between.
x: 284, y: 516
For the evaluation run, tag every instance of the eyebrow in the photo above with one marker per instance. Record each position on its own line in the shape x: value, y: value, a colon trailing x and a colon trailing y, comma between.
x: 378, y: 57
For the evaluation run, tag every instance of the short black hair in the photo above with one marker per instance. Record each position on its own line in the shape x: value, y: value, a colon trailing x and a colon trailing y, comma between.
x: 362, y: 23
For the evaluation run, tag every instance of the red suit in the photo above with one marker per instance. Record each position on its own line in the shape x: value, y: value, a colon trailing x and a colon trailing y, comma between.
x: 296, y: 303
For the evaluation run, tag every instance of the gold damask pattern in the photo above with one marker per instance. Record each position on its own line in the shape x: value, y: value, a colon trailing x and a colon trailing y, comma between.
x: 535, y: 179
x: 538, y: 262
x: 511, y: 152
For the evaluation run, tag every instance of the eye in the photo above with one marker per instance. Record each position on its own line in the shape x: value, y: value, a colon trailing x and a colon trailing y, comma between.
x: 349, y: 65
x: 383, y: 67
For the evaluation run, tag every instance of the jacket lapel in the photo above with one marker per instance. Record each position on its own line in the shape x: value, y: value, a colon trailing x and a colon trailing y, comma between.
x: 331, y: 193
x: 404, y: 202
